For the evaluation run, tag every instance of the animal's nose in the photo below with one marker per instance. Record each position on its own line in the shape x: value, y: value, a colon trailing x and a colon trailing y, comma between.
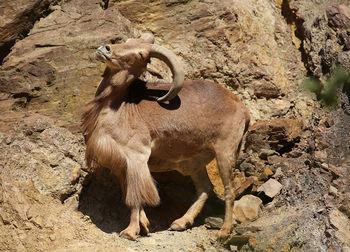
x: 108, y: 48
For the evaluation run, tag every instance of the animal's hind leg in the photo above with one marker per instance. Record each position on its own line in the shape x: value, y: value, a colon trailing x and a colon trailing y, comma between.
x: 203, y: 187
x: 225, y: 160
x: 144, y: 221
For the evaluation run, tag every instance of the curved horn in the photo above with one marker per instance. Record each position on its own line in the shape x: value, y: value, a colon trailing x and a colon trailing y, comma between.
x: 171, y: 60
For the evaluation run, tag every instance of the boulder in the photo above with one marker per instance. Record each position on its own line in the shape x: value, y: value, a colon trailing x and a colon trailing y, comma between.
x: 47, y: 157
x: 247, y: 208
x: 213, y: 222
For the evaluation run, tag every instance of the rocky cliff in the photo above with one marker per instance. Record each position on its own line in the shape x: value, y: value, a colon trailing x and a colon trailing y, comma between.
x: 296, y: 162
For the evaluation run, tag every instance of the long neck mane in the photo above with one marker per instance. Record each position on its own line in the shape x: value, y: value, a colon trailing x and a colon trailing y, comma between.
x: 112, y: 89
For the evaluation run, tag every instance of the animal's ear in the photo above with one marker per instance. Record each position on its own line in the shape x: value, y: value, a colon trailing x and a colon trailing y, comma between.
x: 144, y: 55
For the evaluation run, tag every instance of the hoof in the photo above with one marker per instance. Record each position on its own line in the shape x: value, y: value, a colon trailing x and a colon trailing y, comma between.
x: 144, y: 222
x: 145, y: 227
x: 177, y: 227
x: 180, y: 225
x: 223, y: 234
x: 129, y: 234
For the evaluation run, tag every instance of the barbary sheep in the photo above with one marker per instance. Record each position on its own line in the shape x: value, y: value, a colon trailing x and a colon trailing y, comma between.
x: 132, y: 132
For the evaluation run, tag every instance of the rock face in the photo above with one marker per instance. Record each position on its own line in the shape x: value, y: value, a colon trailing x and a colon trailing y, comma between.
x: 50, y: 69
x: 47, y: 157
x: 17, y: 18
x: 243, y: 44
x: 261, y: 50
x: 322, y: 34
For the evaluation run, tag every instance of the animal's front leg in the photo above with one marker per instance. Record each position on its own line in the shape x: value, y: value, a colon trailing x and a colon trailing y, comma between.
x: 140, y: 190
x: 133, y: 230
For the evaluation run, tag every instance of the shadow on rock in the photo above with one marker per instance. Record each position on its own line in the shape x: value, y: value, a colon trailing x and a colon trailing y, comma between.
x: 101, y: 200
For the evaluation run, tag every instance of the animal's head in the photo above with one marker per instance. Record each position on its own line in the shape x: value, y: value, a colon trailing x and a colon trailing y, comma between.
x: 135, y: 54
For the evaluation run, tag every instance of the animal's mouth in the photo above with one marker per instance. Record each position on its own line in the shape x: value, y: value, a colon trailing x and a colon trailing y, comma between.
x: 101, y: 56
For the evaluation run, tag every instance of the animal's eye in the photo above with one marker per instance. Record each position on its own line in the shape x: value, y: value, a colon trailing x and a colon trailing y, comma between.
x: 141, y: 56
x: 108, y: 48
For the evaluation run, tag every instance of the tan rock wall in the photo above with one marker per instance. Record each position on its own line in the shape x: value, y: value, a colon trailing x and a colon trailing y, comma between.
x: 50, y: 70
x: 261, y: 50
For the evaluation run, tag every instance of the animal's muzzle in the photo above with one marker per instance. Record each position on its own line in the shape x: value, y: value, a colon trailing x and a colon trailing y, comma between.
x: 102, y: 52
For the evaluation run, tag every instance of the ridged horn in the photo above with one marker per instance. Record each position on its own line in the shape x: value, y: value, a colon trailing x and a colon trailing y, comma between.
x: 173, y: 63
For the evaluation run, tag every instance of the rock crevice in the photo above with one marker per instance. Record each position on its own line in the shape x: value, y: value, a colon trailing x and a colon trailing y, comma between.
x: 17, y: 25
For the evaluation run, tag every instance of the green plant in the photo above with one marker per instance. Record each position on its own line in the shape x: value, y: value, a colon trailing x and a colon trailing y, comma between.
x: 327, y: 91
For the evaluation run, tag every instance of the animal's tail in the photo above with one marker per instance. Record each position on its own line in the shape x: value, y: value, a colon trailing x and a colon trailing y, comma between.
x: 140, y: 186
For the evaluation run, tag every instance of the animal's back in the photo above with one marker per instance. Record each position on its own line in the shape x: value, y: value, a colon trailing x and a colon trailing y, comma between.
x: 200, y: 106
